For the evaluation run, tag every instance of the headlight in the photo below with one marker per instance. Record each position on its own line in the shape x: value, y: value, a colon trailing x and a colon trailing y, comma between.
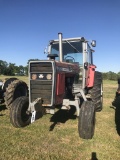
x: 49, y: 76
x: 34, y: 76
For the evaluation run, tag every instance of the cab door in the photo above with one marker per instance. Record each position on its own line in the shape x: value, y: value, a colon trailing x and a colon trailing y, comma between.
x: 89, y: 67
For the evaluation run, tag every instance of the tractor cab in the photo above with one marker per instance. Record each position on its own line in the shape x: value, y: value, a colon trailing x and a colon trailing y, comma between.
x: 73, y: 50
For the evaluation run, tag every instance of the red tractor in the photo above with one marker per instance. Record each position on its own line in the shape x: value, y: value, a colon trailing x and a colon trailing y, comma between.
x: 68, y: 78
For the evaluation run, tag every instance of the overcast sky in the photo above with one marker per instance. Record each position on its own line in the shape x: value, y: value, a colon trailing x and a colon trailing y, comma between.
x: 26, y: 26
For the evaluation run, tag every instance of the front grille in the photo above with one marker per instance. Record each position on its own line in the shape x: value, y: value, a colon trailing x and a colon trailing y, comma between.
x: 41, y: 67
x: 41, y: 87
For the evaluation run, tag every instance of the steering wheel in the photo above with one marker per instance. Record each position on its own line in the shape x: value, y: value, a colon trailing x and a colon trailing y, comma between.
x: 70, y: 57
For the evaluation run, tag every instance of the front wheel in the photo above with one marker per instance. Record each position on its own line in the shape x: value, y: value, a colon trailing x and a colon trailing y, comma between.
x: 18, y: 116
x: 86, y: 122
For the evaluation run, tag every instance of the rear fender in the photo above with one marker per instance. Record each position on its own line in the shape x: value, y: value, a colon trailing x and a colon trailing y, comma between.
x: 90, y: 77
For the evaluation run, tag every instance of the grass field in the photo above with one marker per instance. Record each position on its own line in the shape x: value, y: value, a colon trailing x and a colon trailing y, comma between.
x: 48, y: 140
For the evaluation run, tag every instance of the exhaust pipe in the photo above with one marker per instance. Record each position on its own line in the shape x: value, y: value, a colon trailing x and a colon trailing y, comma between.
x: 60, y: 47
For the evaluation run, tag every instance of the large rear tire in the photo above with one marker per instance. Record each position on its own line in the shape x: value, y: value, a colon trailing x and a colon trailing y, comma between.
x: 15, y: 89
x: 86, y: 122
x: 6, y: 83
x: 97, y: 92
x: 18, y: 116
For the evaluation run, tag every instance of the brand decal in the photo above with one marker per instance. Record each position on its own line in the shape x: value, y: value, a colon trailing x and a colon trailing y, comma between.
x: 69, y: 69
x: 41, y: 76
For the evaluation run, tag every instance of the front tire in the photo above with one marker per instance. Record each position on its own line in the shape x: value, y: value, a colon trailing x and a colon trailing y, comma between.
x: 86, y: 122
x: 18, y: 116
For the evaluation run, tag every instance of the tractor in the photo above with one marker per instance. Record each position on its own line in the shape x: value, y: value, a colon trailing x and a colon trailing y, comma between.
x: 66, y: 79
x: 116, y: 102
x: 10, y: 89
x: 116, y: 106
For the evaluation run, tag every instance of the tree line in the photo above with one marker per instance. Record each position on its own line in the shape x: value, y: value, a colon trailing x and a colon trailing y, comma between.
x: 11, y: 69
x: 110, y: 75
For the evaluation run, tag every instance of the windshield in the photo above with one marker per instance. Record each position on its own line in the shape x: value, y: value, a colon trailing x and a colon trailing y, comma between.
x: 72, y: 51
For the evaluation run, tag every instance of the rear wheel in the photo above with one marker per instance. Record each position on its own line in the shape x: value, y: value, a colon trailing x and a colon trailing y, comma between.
x: 18, y: 116
x: 6, y: 83
x: 97, y: 92
x: 15, y: 89
x: 86, y: 122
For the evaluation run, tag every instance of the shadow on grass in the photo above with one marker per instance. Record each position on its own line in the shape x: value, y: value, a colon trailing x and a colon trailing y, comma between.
x: 40, y: 113
x: 94, y: 156
x: 2, y: 108
x: 116, y: 104
x: 61, y: 116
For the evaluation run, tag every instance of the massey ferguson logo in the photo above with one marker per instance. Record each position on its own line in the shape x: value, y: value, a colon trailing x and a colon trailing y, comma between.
x: 41, y: 76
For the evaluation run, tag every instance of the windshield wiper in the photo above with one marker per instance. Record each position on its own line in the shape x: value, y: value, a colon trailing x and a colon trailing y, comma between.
x: 73, y: 46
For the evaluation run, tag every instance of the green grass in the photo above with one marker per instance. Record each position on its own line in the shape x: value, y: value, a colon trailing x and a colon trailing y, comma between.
x: 37, y: 142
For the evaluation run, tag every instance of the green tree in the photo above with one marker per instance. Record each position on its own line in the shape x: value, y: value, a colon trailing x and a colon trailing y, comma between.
x: 26, y: 70
x: 10, y: 70
x: 3, y: 66
x: 21, y: 69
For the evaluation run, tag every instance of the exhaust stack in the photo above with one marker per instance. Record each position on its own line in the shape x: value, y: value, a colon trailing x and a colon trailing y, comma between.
x: 60, y: 47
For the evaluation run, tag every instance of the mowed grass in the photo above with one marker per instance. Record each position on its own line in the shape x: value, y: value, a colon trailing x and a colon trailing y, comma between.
x: 46, y: 139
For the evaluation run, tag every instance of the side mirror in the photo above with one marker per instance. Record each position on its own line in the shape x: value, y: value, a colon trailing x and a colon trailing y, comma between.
x: 93, y: 43
x: 46, y: 50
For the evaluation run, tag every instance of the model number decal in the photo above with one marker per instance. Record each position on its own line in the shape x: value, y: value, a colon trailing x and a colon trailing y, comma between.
x: 65, y: 69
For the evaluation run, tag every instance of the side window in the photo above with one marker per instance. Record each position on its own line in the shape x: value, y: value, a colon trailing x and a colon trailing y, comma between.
x: 55, y: 49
